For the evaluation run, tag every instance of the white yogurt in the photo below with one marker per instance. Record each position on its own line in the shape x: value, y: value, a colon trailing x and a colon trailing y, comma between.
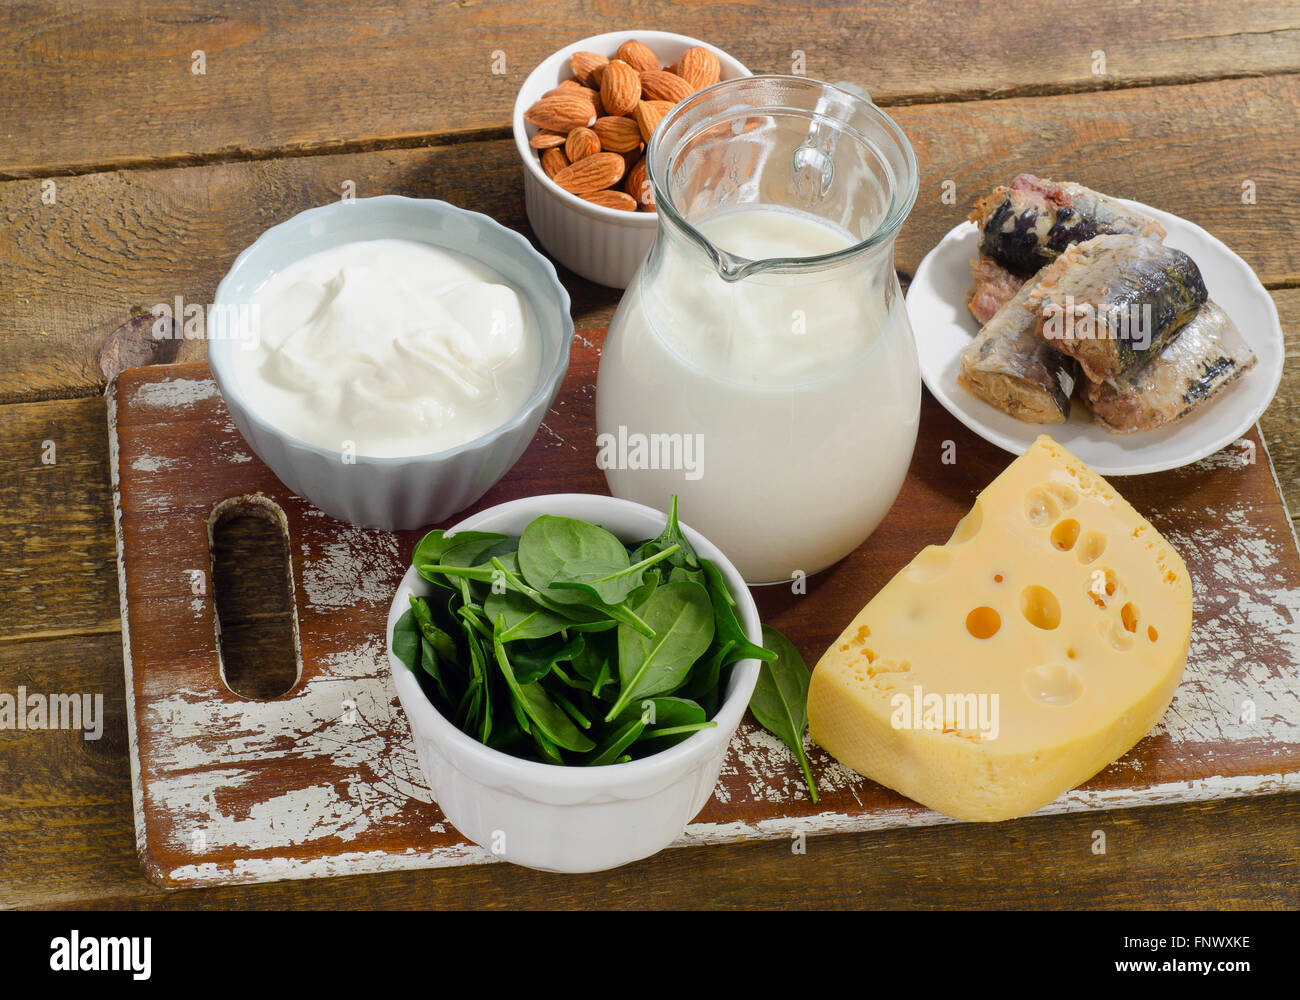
x: 389, y: 348
x: 801, y: 394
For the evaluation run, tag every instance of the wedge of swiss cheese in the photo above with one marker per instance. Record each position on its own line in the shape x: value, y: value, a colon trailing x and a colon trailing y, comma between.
x: 998, y: 671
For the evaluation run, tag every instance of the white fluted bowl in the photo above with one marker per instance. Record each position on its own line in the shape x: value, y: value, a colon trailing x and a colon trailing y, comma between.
x: 604, y: 245
x: 409, y: 491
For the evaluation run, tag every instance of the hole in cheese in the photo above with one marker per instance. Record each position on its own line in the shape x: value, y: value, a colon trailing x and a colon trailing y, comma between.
x: 1065, y: 495
x: 1065, y: 534
x: 1101, y: 586
x: 1129, y: 616
x: 983, y: 622
x: 1052, y: 684
x: 1092, y: 546
x: 969, y: 526
x: 1040, y: 607
x: 1152, y: 634
x: 1114, y: 633
x: 930, y: 564
x: 1040, y: 508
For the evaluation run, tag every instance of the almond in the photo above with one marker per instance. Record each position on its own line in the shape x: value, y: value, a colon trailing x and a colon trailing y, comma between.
x: 595, y: 173
x: 584, y: 64
x: 581, y: 143
x: 658, y: 85
x: 637, y: 55
x: 699, y: 67
x: 553, y: 161
x: 648, y: 115
x: 561, y: 113
x: 546, y: 140
x: 612, y: 199
x: 638, y: 186
x: 631, y: 157
x: 618, y: 135
x: 620, y: 88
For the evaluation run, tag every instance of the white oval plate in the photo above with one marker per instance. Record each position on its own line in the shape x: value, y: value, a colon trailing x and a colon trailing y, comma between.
x: 936, y: 304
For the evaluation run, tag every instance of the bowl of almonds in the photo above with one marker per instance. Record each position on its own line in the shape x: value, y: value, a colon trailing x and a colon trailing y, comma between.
x: 581, y: 123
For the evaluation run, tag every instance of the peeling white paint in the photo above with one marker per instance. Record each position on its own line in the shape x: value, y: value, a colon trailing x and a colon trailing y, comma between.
x: 175, y: 393
x: 152, y: 463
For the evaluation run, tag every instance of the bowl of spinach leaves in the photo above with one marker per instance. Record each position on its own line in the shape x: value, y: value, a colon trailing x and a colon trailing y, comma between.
x: 573, y: 667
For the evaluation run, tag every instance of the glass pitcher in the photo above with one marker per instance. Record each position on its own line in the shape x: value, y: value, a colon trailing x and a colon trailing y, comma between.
x: 761, y: 364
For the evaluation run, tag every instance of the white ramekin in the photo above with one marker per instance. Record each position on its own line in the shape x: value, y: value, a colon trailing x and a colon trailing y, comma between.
x: 605, y: 245
x: 573, y: 819
x: 404, y: 492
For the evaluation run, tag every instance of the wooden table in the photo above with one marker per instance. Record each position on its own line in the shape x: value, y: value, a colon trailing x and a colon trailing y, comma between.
x: 128, y: 177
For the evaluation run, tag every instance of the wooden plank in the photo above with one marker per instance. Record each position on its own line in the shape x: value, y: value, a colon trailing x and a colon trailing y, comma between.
x: 65, y: 826
x: 66, y: 838
x: 89, y: 87
x: 58, y: 575
x: 1280, y: 425
x: 118, y: 242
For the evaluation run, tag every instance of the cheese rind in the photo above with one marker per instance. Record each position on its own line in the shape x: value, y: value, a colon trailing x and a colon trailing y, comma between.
x: 998, y: 671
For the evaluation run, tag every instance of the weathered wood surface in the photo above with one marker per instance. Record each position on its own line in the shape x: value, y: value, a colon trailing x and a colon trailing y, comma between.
x: 324, y: 780
x: 65, y: 824
x: 117, y: 242
x: 83, y: 88
x: 67, y: 839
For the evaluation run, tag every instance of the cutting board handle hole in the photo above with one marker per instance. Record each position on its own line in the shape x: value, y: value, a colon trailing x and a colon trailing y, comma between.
x: 252, y: 581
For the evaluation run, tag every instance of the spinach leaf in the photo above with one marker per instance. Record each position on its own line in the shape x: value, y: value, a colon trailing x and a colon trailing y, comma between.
x: 780, y: 698
x: 618, y: 741
x: 429, y: 663
x: 565, y: 549
x: 441, y: 643
x: 665, y: 710
x: 544, y: 713
x: 682, y: 618
x: 729, y: 627
x: 684, y: 557
x: 679, y: 573
x: 433, y: 546
x: 589, y: 611
x: 521, y: 618
x: 549, y: 752
x: 693, y: 727
x: 406, y: 640
x: 480, y: 680
x: 532, y: 665
x: 616, y: 587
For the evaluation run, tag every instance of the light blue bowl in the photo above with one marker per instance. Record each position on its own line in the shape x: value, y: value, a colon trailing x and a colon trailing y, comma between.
x: 405, y: 492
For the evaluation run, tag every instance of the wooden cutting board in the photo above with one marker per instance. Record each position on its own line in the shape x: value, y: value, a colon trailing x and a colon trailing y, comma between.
x: 324, y: 780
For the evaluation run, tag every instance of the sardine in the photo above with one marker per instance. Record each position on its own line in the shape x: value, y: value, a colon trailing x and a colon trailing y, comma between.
x: 1030, y: 222
x: 1011, y: 369
x: 1207, y: 356
x: 1114, y: 301
x: 992, y: 287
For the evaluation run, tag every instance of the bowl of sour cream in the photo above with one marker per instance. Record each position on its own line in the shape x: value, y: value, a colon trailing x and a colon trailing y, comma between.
x: 393, y: 357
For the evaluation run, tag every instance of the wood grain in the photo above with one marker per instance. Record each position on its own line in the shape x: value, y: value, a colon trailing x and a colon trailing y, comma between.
x: 82, y: 87
x: 85, y: 87
x: 58, y: 573
x: 66, y: 840
x: 323, y: 780
x: 127, y: 240
x: 1280, y: 425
